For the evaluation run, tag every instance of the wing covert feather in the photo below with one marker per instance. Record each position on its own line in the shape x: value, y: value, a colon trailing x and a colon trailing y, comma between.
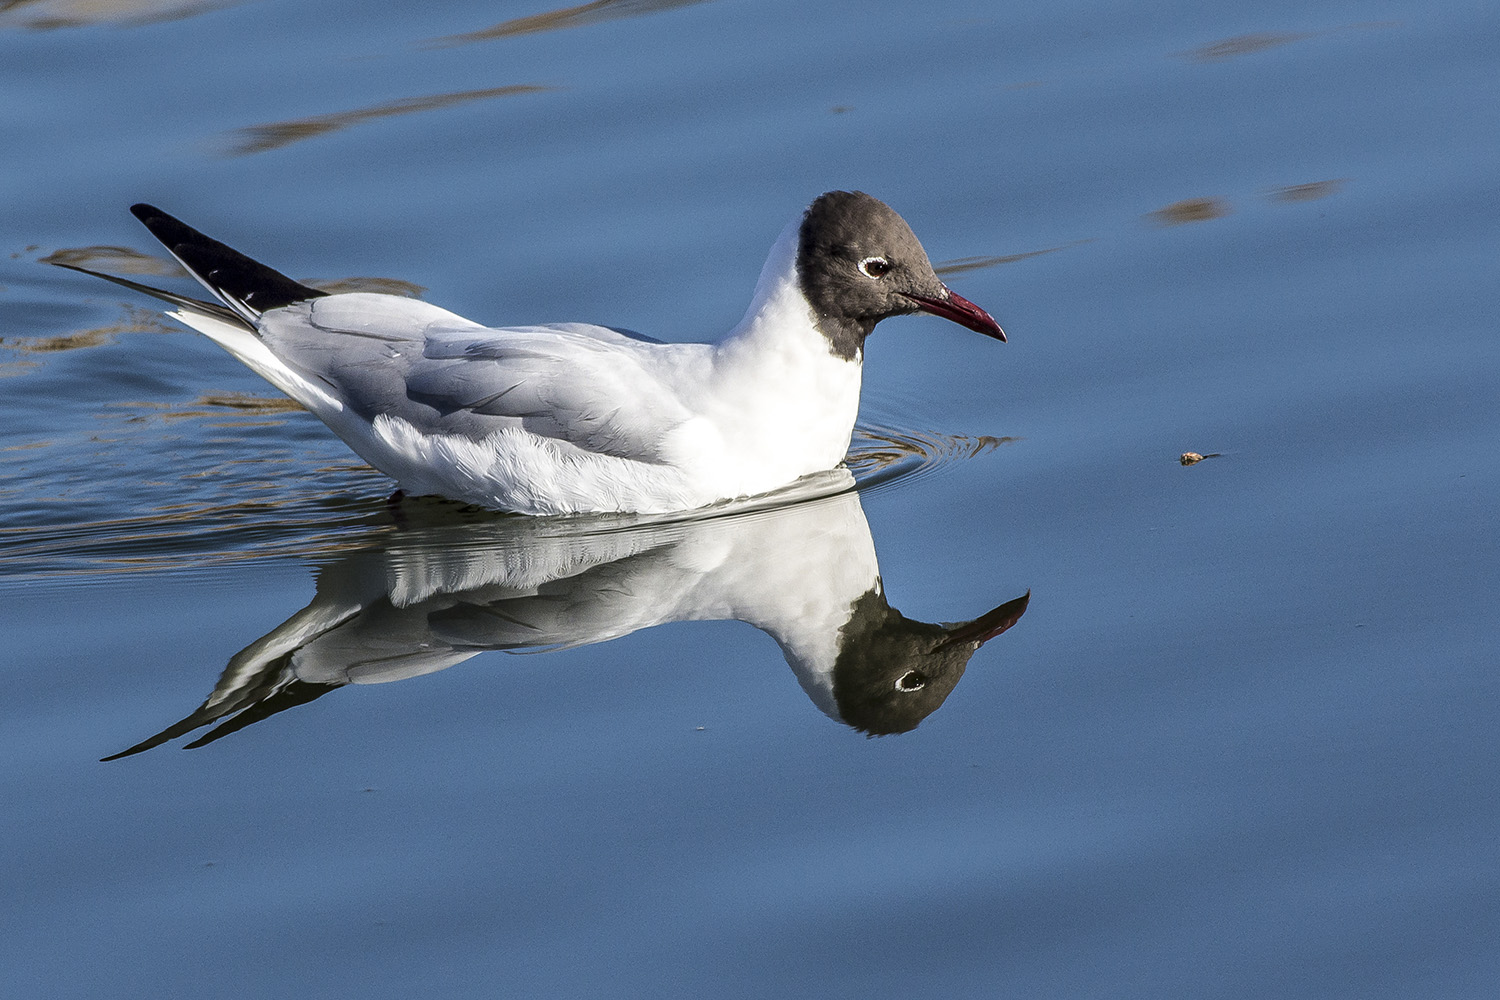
x: 590, y: 386
x: 599, y: 389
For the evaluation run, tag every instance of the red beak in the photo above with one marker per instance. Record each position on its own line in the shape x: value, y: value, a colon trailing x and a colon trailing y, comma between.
x: 961, y: 311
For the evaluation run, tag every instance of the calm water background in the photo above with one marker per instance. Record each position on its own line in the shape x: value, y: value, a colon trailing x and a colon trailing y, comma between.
x: 1241, y: 745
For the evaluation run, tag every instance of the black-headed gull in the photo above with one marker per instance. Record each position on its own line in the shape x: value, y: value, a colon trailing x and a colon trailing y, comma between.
x: 571, y: 417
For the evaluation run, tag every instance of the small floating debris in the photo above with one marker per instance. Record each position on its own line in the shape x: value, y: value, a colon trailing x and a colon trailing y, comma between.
x: 1193, y: 458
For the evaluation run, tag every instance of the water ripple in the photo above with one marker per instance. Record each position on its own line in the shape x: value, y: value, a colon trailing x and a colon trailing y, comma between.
x: 229, y: 507
x: 879, y: 457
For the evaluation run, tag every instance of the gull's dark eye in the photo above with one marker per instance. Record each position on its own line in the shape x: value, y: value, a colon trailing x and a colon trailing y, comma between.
x: 912, y: 680
x: 874, y: 267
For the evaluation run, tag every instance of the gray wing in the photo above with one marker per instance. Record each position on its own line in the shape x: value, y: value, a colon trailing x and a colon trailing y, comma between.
x: 600, y: 389
x: 590, y: 386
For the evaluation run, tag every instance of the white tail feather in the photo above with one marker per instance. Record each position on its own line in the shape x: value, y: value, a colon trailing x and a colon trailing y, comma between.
x: 246, y: 346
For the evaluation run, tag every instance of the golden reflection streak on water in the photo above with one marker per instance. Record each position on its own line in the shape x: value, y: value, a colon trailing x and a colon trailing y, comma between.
x: 1241, y: 45
x: 1180, y: 213
x: 136, y: 321
x: 1260, y: 41
x: 274, y: 135
x: 1310, y: 191
x: 1190, y: 210
x: 961, y: 264
x: 237, y: 403
x: 248, y: 403
x: 381, y: 286
x: 119, y: 260
x: 48, y: 15
x: 217, y: 419
x: 565, y: 17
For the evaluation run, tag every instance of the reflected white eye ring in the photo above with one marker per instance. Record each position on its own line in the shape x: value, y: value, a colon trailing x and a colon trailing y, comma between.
x: 874, y: 267
x: 916, y: 683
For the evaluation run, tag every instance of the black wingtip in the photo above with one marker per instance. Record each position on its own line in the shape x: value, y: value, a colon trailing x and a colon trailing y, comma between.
x: 245, y: 285
x: 158, y: 222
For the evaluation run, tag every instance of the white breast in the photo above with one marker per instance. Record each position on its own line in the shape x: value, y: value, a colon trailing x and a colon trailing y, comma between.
x: 778, y: 404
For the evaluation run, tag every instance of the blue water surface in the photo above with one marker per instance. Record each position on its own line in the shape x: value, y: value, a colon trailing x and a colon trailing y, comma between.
x: 1241, y: 743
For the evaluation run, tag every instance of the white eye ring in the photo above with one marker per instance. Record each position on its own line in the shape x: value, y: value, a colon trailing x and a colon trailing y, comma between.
x: 875, y: 267
x: 911, y: 681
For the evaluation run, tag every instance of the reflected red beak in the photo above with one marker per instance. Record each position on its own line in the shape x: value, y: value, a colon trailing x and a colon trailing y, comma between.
x: 961, y: 311
x: 988, y: 625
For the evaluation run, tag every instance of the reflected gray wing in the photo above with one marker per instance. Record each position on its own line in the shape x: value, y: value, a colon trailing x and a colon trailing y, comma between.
x: 602, y: 602
x: 594, y: 387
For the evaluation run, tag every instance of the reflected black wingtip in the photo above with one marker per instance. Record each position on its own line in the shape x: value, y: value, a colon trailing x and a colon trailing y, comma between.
x: 140, y: 747
x: 294, y: 694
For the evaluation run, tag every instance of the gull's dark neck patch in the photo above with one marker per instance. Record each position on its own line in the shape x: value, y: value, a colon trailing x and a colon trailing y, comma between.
x: 821, y: 285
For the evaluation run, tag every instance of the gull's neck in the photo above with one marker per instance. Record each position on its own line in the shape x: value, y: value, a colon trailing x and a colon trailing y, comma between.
x: 782, y: 402
x: 779, y: 313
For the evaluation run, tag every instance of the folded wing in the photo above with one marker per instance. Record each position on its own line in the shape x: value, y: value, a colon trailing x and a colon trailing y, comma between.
x: 593, y: 387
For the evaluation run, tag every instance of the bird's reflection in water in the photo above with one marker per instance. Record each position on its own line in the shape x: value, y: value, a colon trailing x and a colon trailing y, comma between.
x: 428, y: 596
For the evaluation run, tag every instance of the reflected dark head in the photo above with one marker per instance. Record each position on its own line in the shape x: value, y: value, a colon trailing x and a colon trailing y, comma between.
x: 893, y: 672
